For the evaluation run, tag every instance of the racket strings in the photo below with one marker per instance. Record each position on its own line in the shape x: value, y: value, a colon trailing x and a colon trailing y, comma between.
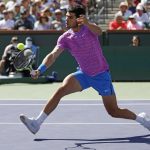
x: 22, y: 61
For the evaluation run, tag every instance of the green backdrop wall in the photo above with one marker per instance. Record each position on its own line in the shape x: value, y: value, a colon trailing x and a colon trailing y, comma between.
x: 126, y: 62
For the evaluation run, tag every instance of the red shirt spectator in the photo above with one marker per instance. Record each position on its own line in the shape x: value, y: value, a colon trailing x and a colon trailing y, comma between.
x: 118, y: 23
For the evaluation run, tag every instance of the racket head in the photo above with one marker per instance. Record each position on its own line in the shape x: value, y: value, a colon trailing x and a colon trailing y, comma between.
x: 23, y: 61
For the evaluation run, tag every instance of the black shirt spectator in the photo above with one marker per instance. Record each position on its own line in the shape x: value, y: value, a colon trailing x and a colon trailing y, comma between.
x: 23, y: 23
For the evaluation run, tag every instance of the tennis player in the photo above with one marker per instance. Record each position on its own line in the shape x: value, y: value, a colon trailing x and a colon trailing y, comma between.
x: 81, y: 40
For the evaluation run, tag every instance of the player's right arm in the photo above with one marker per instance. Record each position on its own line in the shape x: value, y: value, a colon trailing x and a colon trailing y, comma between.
x: 47, y: 62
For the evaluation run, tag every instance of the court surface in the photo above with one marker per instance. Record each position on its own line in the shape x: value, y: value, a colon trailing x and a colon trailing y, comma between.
x: 74, y: 125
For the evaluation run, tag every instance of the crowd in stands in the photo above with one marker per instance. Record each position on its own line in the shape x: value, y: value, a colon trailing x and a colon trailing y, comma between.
x: 50, y: 14
x: 132, y: 15
x: 35, y: 14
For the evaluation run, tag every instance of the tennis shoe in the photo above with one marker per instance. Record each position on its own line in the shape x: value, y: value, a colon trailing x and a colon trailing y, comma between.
x: 145, y: 120
x: 30, y: 123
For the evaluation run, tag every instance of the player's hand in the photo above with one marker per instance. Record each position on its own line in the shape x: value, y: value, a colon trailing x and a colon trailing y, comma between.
x: 82, y: 20
x: 35, y: 74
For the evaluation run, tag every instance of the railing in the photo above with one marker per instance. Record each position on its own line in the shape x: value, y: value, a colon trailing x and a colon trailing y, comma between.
x: 100, y: 13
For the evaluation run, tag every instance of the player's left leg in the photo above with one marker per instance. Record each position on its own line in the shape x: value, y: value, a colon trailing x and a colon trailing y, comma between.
x: 69, y: 85
x: 112, y: 108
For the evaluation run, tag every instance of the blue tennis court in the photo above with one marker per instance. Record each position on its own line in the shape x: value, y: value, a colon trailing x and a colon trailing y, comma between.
x: 74, y: 125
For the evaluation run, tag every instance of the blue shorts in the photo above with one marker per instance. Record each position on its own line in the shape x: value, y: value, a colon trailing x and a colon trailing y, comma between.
x: 101, y: 83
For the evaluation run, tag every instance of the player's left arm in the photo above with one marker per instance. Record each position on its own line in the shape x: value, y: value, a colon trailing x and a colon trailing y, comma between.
x: 92, y: 26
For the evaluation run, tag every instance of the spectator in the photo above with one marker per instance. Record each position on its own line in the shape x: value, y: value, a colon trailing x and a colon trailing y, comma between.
x: 7, y: 23
x: 30, y: 17
x: 135, y: 41
x: 147, y: 11
x: 2, y: 8
x: 58, y: 23
x: 47, y: 13
x: 38, y: 5
x: 46, y: 3
x: 124, y: 10
x: 82, y: 2
x: 118, y: 23
x: 72, y: 2
x: 136, y: 2
x: 131, y: 6
x: 143, y: 1
x: 6, y: 65
x: 64, y: 4
x: 25, y: 4
x: 43, y: 23
x: 132, y: 24
x: 16, y: 11
x: 146, y: 5
x: 140, y: 16
x: 29, y: 45
x: 34, y: 11
x: 23, y: 23
x: 55, y: 5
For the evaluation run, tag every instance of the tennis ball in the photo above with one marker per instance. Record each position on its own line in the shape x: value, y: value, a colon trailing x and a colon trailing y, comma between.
x: 20, y: 46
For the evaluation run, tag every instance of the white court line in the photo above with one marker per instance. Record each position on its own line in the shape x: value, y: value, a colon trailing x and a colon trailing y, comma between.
x: 127, y: 104
x: 71, y: 123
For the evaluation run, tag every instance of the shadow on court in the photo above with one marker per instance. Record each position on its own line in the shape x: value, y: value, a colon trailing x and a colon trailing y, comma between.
x: 82, y: 145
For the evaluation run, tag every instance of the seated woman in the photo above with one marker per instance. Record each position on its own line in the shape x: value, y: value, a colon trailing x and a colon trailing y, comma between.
x: 132, y: 24
x: 43, y: 23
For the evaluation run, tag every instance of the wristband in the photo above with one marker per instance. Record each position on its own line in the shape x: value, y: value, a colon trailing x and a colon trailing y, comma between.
x: 42, y: 68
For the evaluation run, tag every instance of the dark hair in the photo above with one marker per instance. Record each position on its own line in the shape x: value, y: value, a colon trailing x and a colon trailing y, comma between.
x: 77, y: 10
x: 138, y: 38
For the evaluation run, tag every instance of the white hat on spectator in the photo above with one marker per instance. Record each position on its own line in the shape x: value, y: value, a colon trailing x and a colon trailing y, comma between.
x: 139, y: 7
x: 131, y: 17
x: 123, y: 4
x: 9, y: 4
x: 58, y: 11
x: 36, y: 1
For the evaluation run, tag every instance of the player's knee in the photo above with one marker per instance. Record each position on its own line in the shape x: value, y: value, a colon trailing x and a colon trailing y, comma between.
x: 114, y: 112
x: 61, y: 92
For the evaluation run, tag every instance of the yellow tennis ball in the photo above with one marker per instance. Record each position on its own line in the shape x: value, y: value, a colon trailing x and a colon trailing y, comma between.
x: 20, y: 46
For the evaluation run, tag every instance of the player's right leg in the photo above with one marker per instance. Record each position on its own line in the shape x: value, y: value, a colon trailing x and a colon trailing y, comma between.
x: 112, y: 108
x: 69, y: 85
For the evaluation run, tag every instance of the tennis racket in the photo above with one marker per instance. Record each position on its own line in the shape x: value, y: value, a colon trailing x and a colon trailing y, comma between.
x: 24, y: 60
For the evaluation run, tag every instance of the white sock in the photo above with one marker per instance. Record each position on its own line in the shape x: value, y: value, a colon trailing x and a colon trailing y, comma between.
x: 42, y: 116
x: 139, y: 119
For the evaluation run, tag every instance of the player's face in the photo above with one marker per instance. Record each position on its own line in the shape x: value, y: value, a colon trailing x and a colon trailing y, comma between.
x: 71, y: 21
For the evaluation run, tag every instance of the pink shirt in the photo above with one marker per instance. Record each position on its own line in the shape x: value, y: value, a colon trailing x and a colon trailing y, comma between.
x: 85, y: 47
x: 136, y: 26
